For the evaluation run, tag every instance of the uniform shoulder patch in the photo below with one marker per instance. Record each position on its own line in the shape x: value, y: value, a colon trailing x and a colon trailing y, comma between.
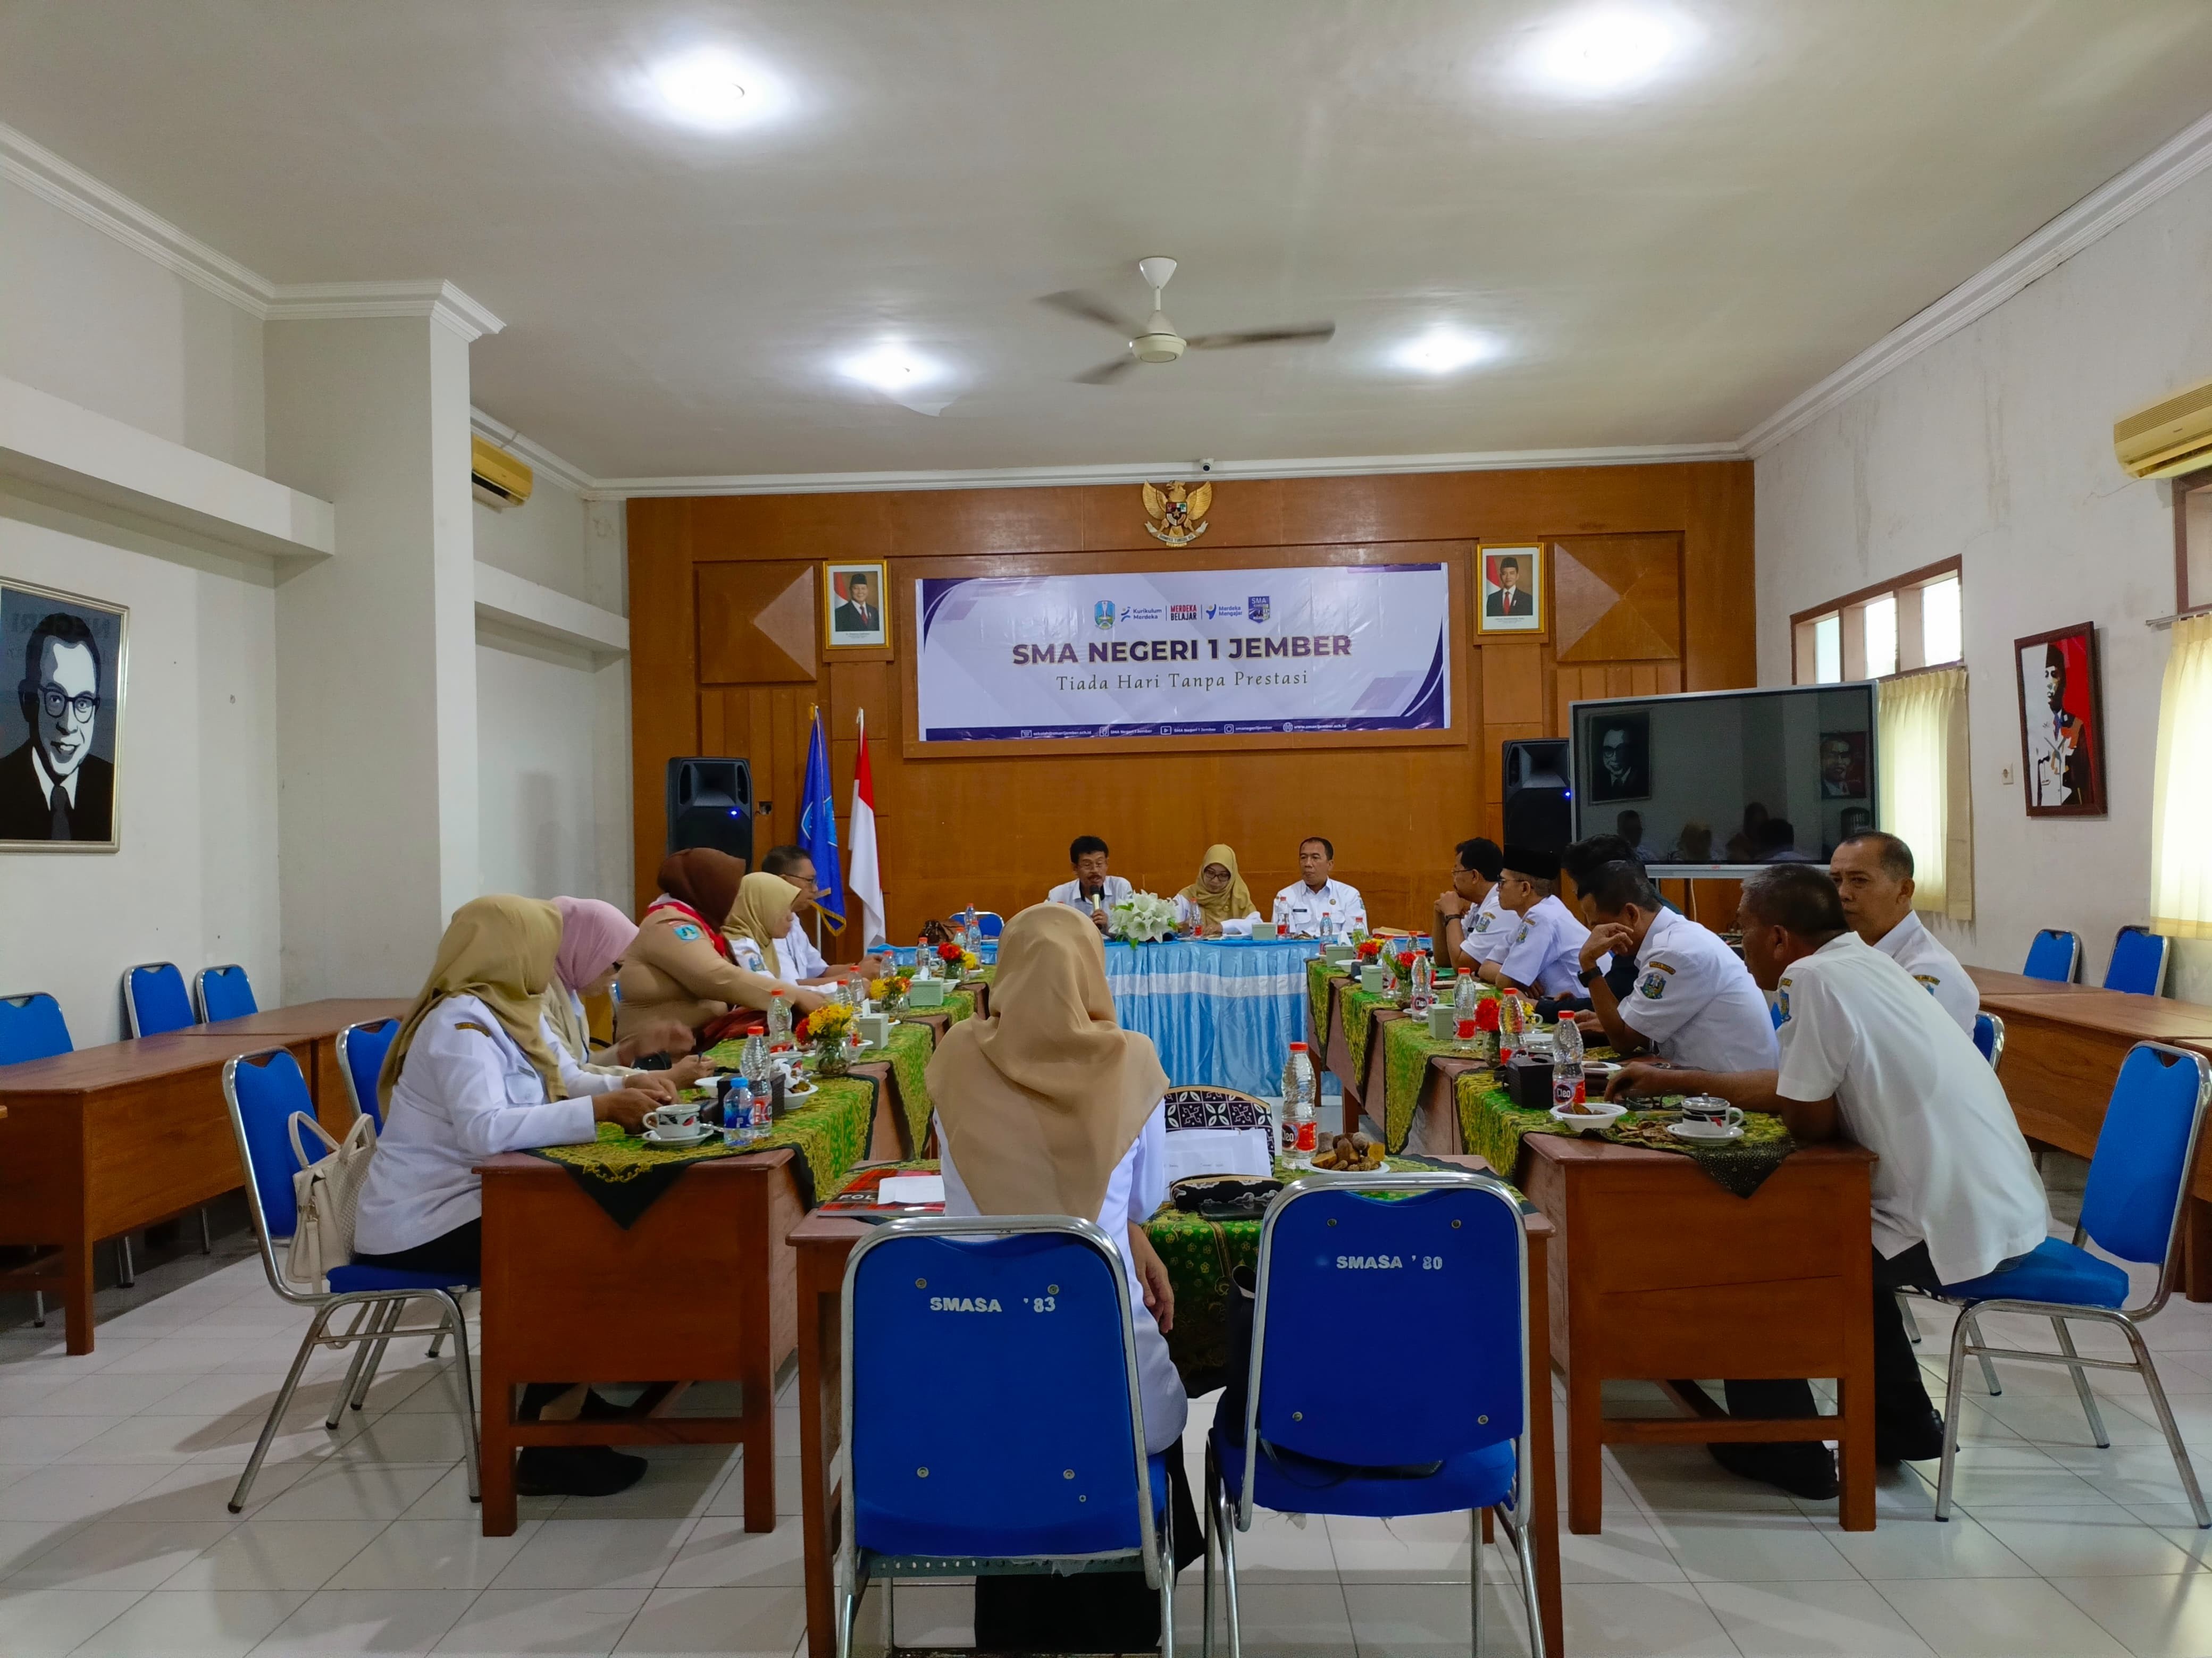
x: 1522, y: 935
x: 1654, y: 981
x: 686, y: 932
x: 470, y: 1024
x: 1482, y: 920
x: 1928, y: 979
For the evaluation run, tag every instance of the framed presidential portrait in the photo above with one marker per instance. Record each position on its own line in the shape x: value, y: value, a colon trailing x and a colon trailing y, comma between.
x: 856, y: 613
x: 1511, y: 600
x: 61, y: 733
x: 2062, y: 722
x: 1620, y: 757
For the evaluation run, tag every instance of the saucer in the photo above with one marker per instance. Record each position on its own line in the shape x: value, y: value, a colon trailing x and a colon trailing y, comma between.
x: 654, y: 1137
x: 1706, y: 1131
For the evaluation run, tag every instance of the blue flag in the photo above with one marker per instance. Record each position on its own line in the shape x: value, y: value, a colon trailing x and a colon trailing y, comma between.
x: 818, y: 830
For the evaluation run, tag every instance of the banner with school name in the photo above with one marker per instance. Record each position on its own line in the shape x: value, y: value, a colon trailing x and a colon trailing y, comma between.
x: 1184, y: 652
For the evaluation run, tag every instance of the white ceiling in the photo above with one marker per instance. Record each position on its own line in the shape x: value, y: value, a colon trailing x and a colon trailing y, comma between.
x: 1668, y: 266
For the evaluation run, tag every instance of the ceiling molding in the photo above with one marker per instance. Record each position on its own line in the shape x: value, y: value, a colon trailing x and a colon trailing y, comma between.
x: 2102, y: 210
x: 31, y: 165
x: 429, y: 297
x: 1020, y: 477
x: 542, y: 460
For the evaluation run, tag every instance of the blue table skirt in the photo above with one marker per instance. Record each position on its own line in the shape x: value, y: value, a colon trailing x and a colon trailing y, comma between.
x: 1221, y: 1012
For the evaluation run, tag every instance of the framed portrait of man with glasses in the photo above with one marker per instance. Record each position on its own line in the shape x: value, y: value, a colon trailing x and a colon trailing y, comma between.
x: 60, y: 732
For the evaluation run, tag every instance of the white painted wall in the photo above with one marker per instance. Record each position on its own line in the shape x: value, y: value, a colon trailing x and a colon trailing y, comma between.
x: 1996, y: 445
x: 98, y: 324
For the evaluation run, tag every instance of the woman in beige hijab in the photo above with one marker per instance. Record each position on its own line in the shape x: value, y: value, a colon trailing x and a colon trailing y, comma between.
x: 1218, y: 902
x: 1047, y: 1107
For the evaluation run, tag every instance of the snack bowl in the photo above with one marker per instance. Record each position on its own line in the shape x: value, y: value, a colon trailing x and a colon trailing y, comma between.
x: 1597, y: 1114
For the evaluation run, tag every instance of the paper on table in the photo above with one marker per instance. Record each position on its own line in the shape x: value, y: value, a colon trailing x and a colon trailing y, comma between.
x: 910, y: 1188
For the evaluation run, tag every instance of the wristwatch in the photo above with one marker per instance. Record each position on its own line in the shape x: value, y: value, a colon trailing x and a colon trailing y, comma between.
x: 1589, y: 976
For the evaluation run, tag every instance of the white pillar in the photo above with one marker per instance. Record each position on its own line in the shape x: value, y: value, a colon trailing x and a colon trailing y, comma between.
x: 368, y: 396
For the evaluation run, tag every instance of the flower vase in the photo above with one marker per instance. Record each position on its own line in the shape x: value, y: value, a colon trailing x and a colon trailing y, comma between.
x: 832, y: 1058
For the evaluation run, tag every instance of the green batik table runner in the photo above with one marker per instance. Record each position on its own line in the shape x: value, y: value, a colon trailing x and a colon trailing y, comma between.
x: 1492, y: 1126
x: 1319, y: 974
x: 1358, y: 1009
x: 911, y: 1045
x: 1407, y: 1047
x: 625, y: 1175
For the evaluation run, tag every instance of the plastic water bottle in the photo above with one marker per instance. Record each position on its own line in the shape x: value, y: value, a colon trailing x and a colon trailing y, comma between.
x: 1300, y: 1131
x: 925, y: 958
x: 778, y: 1021
x: 1327, y: 927
x: 1465, y: 999
x: 1425, y: 980
x: 752, y: 1087
x: 1567, y: 1065
x: 1509, y: 1027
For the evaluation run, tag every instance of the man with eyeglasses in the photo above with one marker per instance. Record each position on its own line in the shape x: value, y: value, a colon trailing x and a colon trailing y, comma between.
x: 801, y: 963
x: 54, y: 787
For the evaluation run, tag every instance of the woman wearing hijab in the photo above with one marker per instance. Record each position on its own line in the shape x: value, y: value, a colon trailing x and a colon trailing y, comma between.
x: 470, y: 1074
x: 759, y: 918
x: 593, y: 936
x: 681, y: 966
x: 1218, y: 901
x: 1046, y: 1106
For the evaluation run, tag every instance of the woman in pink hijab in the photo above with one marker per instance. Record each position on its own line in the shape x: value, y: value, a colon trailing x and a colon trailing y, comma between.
x: 593, y: 936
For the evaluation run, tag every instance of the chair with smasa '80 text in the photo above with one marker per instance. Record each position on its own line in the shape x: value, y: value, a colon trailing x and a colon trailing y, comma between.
x: 1438, y: 1265
x: 1026, y: 1321
x: 2055, y: 955
x: 2131, y: 1212
x: 2139, y: 961
x: 263, y: 1091
x: 223, y: 992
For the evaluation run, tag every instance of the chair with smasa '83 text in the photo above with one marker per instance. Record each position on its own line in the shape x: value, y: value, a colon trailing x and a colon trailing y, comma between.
x: 1026, y: 1321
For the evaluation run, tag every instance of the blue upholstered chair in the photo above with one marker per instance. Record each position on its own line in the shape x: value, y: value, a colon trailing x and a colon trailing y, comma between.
x: 361, y: 1049
x: 223, y: 992
x: 263, y: 1091
x: 990, y: 923
x: 2055, y: 955
x: 32, y: 1028
x: 2131, y: 1211
x: 1988, y: 1037
x: 1043, y: 1466
x: 2138, y: 963
x: 1437, y: 1264
x: 155, y: 999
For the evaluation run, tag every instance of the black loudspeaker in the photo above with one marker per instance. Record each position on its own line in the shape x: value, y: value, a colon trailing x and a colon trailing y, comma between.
x: 1539, y: 793
x: 710, y: 803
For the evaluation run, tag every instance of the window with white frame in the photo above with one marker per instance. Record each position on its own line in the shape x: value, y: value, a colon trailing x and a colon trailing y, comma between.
x: 1901, y: 626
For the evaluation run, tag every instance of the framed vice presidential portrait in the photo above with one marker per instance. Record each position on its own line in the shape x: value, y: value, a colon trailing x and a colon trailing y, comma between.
x: 853, y: 608
x: 1512, y: 597
x: 2062, y: 723
x: 60, y: 732
x: 1620, y: 769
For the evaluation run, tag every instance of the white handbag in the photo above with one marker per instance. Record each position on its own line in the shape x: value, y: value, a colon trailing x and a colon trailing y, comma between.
x: 326, y: 1195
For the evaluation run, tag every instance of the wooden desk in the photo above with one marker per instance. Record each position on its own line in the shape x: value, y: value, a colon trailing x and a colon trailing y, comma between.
x: 699, y: 1290
x: 2064, y: 1047
x: 107, y: 1139
x: 1994, y: 982
x: 1660, y: 1275
x: 821, y: 1243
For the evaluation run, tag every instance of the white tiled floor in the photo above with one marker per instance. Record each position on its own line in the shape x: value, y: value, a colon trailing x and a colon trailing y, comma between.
x: 114, y: 1538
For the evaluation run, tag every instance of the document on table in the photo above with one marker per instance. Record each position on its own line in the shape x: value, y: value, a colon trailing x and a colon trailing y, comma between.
x: 896, y: 1189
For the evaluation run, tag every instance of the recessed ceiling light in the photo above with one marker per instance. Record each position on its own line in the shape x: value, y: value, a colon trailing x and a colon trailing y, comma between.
x: 1613, y: 49
x: 1445, y: 351
x: 892, y: 368
x: 710, y: 88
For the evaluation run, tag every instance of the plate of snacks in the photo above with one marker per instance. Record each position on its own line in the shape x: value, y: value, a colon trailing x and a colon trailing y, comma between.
x: 1592, y: 1114
x: 1350, y: 1154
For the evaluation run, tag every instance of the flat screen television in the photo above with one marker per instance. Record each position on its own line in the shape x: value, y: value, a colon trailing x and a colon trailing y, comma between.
x: 1718, y: 782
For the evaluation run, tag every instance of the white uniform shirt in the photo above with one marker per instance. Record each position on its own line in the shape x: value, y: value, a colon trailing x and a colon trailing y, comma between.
x: 580, y: 1079
x: 1955, y: 1173
x: 1138, y: 1187
x: 1070, y: 892
x: 1546, y: 950
x: 1299, y: 908
x: 1920, y: 953
x: 1236, y: 927
x: 1487, y: 932
x: 1696, y: 1003
x: 797, y: 958
x: 466, y: 1093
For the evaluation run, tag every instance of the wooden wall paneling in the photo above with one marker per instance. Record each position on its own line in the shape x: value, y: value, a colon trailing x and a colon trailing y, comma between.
x: 1617, y: 598
x: 757, y: 623
x: 1720, y: 644
x: 664, y: 696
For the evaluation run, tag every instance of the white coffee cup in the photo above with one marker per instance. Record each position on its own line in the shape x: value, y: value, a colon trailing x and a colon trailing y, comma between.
x: 1712, y: 1111
x: 674, y: 1121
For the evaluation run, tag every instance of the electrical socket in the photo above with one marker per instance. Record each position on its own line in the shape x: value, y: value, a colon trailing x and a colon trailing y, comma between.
x: 2004, y: 776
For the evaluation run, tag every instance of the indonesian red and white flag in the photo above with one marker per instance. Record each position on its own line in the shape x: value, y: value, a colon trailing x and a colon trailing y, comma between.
x: 864, y: 881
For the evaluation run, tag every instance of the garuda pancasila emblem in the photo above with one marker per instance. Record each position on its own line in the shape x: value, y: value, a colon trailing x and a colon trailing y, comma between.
x: 1177, y: 518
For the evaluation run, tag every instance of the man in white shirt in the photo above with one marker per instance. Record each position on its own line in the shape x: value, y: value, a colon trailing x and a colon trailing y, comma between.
x: 1691, y: 1001
x: 1544, y: 954
x: 798, y: 961
x: 1300, y: 906
x: 1866, y: 1052
x: 1093, y: 890
x: 1469, y: 926
x: 1874, y: 877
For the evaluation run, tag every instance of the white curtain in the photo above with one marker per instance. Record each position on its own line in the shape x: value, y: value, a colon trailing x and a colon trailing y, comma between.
x: 2181, y: 798
x: 1926, y: 798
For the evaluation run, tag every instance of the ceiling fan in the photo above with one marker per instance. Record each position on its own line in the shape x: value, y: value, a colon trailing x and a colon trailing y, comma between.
x: 1156, y: 341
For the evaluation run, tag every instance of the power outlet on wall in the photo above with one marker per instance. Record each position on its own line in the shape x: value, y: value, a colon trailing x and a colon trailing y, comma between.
x: 2004, y: 776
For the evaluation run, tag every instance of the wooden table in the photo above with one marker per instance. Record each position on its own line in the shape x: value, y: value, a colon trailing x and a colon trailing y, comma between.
x: 822, y: 1243
x: 2064, y: 1047
x: 700, y: 1289
x: 107, y: 1139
